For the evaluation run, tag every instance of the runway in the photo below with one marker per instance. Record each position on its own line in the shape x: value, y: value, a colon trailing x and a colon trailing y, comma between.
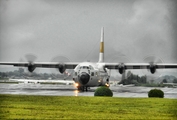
x: 70, y: 90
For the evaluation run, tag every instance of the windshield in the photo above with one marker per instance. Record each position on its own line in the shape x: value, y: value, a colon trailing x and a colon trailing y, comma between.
x: 90, y: 67
x: 84, y: 67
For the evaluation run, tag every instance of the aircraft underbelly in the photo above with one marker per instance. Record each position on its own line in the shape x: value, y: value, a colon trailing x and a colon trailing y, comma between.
x: 93, y: 82
x: 96, y: 81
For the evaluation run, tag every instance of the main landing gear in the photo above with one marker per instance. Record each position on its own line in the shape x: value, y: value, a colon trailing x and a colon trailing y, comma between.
x: 83, y: 88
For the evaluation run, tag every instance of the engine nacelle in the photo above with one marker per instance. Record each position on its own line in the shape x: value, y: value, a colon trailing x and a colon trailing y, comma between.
x: 61, y: 68
x: 152, y: 69
x: 31, y: 67
x: 121, y: 68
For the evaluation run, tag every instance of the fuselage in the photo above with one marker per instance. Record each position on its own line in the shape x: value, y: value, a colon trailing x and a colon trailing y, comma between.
x: 89, y: 74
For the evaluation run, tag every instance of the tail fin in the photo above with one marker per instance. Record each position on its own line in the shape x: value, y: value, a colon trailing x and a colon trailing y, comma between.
x: 101, y: 55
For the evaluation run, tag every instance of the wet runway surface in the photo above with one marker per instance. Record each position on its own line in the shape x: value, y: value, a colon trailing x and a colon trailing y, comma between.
x: 70, y: 90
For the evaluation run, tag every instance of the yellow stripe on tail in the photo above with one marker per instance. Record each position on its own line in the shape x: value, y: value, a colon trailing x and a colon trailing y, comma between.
x: 101, y: 47
x: 101, y: 55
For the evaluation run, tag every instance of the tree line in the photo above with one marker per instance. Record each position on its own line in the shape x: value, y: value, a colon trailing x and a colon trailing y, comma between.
x: 20, y: 73
x: 131, y: 78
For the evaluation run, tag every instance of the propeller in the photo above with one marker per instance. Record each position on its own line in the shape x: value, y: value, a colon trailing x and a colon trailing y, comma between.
x: 121, y: 59
x: 61, y: 60
x: 30, y: 58
x: 152, y: 60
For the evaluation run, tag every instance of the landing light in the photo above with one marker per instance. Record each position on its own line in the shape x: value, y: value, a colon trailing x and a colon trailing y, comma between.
x: 107, y: 85
x: 76, y: 84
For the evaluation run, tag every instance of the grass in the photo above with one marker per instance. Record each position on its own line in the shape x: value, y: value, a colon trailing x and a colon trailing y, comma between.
x: 57, y: 107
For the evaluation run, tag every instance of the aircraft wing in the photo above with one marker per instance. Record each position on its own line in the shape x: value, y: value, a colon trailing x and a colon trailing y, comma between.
x: 32, y: 65
x: 151, y: 66
x: 67, y: 65
x: 140, y: 65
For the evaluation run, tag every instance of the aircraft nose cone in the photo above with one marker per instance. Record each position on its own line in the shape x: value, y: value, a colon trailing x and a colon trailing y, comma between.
x: 84, y: 78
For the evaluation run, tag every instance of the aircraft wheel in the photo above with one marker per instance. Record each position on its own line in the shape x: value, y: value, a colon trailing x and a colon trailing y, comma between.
x: 86, y: 89
x: 82, y: 88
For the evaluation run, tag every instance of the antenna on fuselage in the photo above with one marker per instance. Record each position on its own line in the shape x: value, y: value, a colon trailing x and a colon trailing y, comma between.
x: 101, y: 55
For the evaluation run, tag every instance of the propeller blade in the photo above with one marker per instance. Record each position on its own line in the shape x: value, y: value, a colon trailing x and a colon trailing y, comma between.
x: 30, y: 58
x: 119, y: 59
x: 152, y: 60
x: 61, y: 60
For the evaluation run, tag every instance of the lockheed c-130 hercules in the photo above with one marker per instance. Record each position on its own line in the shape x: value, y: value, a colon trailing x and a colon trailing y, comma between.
x: 89, y: 74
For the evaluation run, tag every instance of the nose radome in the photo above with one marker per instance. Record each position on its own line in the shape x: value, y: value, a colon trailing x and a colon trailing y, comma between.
x: 84, y: 78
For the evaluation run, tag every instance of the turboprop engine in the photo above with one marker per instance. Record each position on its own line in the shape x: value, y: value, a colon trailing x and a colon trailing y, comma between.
x: 61, y: 68
x: 121, y: 68
x: 31, y: 67
x: 152, y: 68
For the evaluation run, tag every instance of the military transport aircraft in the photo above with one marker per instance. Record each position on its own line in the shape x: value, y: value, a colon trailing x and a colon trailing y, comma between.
x: 89, y: 74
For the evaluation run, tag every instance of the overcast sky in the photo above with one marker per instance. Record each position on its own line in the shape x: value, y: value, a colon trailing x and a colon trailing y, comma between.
x: 134, y: 29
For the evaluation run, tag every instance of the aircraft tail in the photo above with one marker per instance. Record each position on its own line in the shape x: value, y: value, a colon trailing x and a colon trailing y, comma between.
x: 101, y: 55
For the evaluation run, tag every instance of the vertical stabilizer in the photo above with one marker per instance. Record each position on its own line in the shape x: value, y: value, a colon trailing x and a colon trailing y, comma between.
x: 101, y: 55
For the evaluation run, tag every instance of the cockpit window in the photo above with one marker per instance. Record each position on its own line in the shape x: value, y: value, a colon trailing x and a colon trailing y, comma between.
x: 91, y: 68
x: 84, y: 67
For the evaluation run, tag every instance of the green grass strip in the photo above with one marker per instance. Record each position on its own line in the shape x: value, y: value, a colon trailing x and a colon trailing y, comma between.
x: 70, y: 107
